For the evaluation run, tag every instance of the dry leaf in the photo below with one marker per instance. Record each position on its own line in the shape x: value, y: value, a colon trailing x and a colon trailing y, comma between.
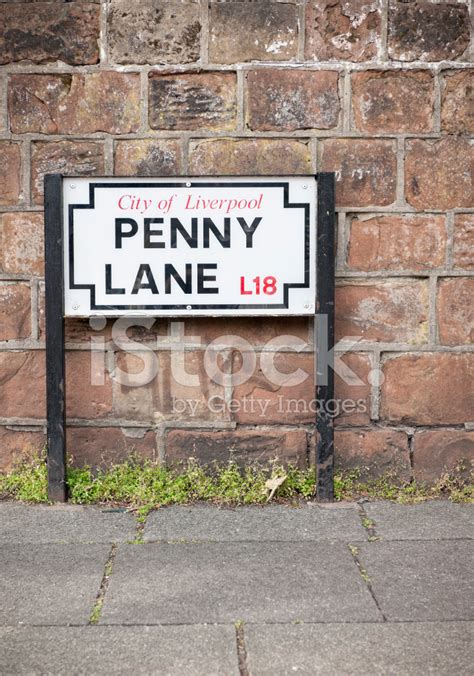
x: 272, y: 485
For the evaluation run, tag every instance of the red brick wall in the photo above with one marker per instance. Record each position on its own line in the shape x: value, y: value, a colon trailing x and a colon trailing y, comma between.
x: 379, y: 92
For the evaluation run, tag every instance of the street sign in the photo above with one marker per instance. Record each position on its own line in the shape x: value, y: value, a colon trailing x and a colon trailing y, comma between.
x: 189, y: 246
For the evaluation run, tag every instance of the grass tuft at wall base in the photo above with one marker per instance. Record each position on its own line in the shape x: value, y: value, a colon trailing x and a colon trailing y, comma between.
x: 143, y: 485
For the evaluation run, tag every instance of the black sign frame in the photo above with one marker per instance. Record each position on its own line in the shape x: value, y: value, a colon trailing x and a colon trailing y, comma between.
x: 55, y: 338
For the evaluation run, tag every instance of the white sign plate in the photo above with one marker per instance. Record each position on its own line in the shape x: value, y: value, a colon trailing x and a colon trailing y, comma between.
x: 189, y: 246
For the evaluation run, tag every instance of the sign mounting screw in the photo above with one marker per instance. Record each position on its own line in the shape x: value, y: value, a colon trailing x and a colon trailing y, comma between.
x: 188, y: 184
x: 305, y: 187
x: 189, y: 307
x: 75, y: 307
x: 73, y: 186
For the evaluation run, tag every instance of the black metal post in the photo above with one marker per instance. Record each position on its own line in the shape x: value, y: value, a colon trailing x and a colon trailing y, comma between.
x: 324, y: 336
x: 55, y: 357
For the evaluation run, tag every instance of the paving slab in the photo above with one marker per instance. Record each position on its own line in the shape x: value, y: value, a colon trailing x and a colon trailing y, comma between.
x: 272, y: 522
x: 50, y: 584
x: 352, y: 650
x: 225, y: 582
x: 63, y: 523
x: 433, y: 520
x: 192, y: 650
x: 417, y: 580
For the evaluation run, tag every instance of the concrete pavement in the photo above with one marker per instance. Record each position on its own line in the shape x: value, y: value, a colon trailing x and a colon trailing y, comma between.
x: 371, y: 588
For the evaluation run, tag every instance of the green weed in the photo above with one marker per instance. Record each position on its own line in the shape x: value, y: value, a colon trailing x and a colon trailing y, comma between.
x: 142, y: 485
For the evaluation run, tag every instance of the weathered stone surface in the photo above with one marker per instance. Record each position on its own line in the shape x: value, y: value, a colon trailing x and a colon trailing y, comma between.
x: 275, y: 398
x: 135, y: 332
x: 15, y: 310
x: 106, y: 446
x: 427, y: 31
x: 342, y: 30
x: 194, y: 650
x: 64, y: 524
x: 16, y: 444
x: 352, y: 395
x: 428, y: 520
x: 365, y: 170
x: 80, y: 330
x: 79, y: 103
x: 255, y: 330
x: 89, y: 389
x: 241, y: 446
x: 428, y: 389
x: 397, y: 242
x: 148, y: 157
x: 263, y: 32
x: 420, y: 580
x: 76, y: 329
x: 3, y: 121
x: 180, y: 390
x: 43, y: 32
x: 160, y: 330
x: 269, y: 399
x: 193, y: 101
x: 22, y: 381
x: 393, y: 101
x: 48, y: 584
x: 287, y: 100
x: 10, y: 173
x: 463, y: 244
x: 354, y: 648
x: 22, y: 384
x: 133, y: 401
x: 249, y: 156
x: 436, y: 452
x: 71, y: 158
x: 450, y: 185
x: 457, y: 102
x: 261, y: 582
x: 374, y: 452
x: 395, y: 311
x: 154, y: 32
x: 456, y: 310
x: 21, y: 243
x: 275, y: 523
x: 34, y: 101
